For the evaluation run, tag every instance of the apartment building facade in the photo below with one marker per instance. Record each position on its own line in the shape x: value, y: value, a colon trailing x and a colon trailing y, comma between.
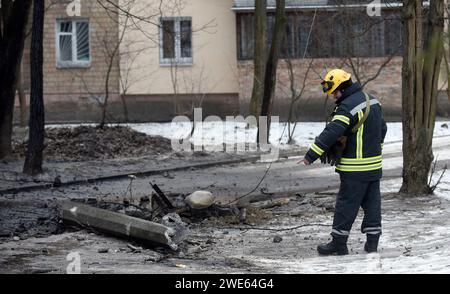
x: 152, y: 60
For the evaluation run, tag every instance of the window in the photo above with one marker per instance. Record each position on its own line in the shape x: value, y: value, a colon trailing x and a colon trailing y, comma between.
x: 176, y: 41
x: 246, y: 36
x: 72, y: 43
x: 334, y: 35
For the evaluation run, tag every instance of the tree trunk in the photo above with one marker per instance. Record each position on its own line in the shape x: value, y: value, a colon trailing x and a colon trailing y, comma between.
x: 13, y: 22
x: 125, y: 108
x: 260, y: 56
x: 421, y: 70
x: 33, y: 161
x: 22, y: 98
x: 111, y: 60
x: 272, y: 62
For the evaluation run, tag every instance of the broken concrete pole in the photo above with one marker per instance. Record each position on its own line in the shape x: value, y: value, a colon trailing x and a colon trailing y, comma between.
x: 200, y: 200
x: 117, y: 224
x: 173, y: 220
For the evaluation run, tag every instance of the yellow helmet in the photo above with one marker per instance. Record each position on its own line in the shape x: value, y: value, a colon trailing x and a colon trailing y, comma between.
x: 334, y: 79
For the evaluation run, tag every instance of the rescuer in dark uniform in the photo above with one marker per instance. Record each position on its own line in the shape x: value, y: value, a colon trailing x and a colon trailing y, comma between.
x: 353, y: 141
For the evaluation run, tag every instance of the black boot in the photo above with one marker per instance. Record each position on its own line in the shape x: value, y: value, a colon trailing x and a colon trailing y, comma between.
x: 337, y: 246
x: 371, y: 245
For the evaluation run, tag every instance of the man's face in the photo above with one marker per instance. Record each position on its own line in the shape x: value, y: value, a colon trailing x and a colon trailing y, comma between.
x: 337, y: 94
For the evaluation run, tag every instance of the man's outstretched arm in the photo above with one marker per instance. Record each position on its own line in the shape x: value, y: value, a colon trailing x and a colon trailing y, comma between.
x: 330, y: 135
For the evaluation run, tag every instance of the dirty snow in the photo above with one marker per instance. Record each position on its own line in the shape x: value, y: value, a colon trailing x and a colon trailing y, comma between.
x: 304, y: 134
x: 415, y: 240
x: 218, y: 132
x: 441, y: 154
x: 416, y: 234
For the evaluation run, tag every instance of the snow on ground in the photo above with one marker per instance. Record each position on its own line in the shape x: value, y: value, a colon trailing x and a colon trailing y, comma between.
x: 304, y: 134
x: 416, y: 233
x: 432, y: 262
x: 218, y: 132
x: 415, y: 240
x: 443, y: 187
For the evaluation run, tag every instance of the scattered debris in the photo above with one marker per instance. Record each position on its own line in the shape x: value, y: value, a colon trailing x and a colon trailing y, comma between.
x: 180, y: 266
x: 168, y: 175
x: 238, y: 262
x: 271, y: 203
x: 134, y: 249
x: 117, y: 224
x: 161, y: 199
x: 444, y: 126
x: 213, y: 212
x: 57, y: 182
x: 243, y: 215
x: 194, y: 249
x: 26, y: 218
x: 15, y: 238
x: 89, y: 143
x: 154, y: 257
x: 277, y: 239
x: 408, y: 250
x: 80, y: 238
x: 200, y: 200
x: 103, y: 250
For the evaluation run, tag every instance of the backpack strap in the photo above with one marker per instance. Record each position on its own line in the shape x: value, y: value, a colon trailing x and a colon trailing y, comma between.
x: 366, y: 114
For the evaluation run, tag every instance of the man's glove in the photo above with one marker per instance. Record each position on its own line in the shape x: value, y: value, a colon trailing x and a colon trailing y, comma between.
x: 334, y: 155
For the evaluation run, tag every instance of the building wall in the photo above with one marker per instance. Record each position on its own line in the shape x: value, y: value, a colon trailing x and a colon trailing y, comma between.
x: 214, y: 68
x: 216, y: 80
x: 387, y: 87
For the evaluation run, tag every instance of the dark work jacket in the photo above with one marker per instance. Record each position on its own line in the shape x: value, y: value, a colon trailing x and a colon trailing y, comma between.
x: 362, y: 157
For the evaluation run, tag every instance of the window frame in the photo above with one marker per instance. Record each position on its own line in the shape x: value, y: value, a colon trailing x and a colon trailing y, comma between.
x: 178, y: 60
x: 74, y: 63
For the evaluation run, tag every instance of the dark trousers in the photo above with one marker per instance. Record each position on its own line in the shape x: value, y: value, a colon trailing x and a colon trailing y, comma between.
x: 354, y: 194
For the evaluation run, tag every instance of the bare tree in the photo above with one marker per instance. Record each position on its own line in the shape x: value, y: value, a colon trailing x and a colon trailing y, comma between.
x: 120, y: 52
x: 111, y: 53
x: 13, y: 22
x: 35, y: 148
x: 175, y: 86
x: 421, y: 69
x: 272, y: 62
x: 22, y: 97
x: 128, y: 66
x: 133, y: 16
x: 446, y: 47
x: 194, y: 85
x: 260, y: 55
x: 360, y: 31
x: 296, y: 94
x: 362, y: 68
x: 21, y: 82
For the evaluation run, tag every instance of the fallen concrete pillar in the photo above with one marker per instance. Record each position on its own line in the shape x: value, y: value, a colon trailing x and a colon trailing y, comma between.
x: 117, y: 224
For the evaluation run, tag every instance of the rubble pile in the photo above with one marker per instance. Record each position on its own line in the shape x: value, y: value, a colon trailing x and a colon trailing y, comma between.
x: 92, y: 143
